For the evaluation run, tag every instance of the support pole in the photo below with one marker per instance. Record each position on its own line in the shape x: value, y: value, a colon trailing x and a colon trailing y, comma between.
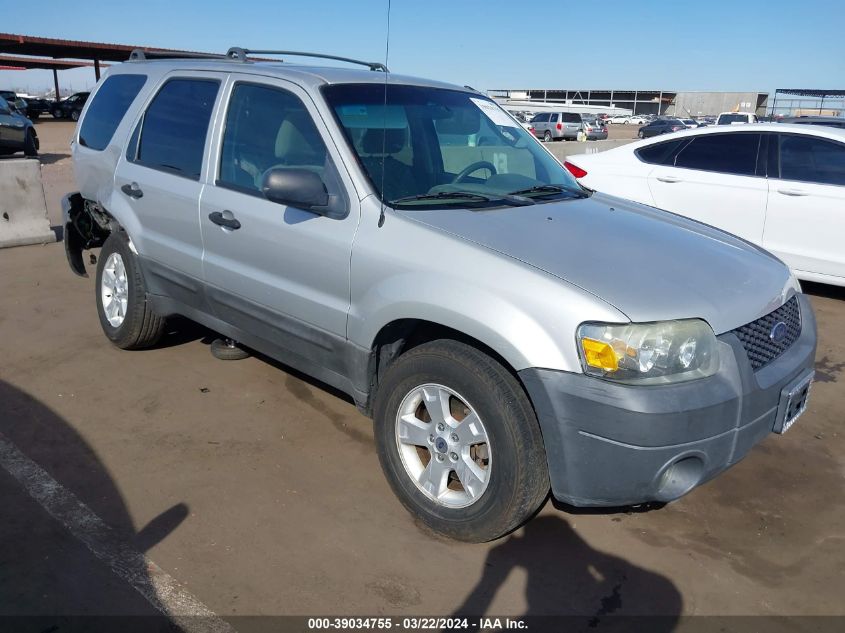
x: 56, y: 83
x: 97, y: 69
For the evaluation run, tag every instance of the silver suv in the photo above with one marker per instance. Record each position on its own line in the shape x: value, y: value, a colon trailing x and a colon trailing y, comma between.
x: 556, y: 126
x: 410, y: 244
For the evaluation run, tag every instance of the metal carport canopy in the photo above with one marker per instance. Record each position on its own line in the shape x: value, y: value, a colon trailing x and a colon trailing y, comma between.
x: 18, y: 45
x: 799, y: 92
x: 76, y: 49
x: 24, y: 63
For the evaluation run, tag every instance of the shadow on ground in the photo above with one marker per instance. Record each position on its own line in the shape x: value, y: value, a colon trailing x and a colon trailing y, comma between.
x: 45, y: 570
x: 565, y: 576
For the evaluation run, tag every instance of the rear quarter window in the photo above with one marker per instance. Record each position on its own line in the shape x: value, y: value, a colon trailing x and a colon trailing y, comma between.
x: 108, y: 109
x: 660, y: 153
x: 571, y: 117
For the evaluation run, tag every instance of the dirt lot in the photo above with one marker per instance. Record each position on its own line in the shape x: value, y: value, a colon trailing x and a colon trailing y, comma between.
x: 259, y: 491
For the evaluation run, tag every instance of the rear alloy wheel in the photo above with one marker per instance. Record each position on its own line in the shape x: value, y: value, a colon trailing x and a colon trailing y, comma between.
x: 547, y: 137
x: 125, y: 315
x: 75, y: 115
x: 459, y: 442
x: 641, y: 134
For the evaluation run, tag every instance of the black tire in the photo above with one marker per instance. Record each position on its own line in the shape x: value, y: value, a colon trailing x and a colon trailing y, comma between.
x: 30, y: 147
x: 225, y: 349
x: 547, y: 137
x: 518, y: 481
x: 641, y: 134
x: 141, y: 327
x: 57, y: 114
x: 74, y: 115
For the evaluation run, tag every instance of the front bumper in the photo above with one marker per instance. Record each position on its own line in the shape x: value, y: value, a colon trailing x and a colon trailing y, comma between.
x: 610, y: 444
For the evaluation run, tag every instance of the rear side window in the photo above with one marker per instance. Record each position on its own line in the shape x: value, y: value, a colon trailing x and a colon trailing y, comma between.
x: 107, y: 109
x: 267, y: 128
x: 660, y: 153
x: 726, y: 153
x: 174, y: 127
x: 571, y: 117
x: 810, y: 159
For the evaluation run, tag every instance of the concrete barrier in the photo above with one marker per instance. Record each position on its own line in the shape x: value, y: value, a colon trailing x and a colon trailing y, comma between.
x: 23, y: 208
x: 562, y: 149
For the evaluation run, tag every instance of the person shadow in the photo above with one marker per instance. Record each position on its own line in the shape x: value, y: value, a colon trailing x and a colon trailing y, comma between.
x: 50, y: 578
x: 571, y: 586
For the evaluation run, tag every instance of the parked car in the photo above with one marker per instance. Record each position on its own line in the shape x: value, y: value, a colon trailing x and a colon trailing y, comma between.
x: 411, y: 245
x: 71, y: 107
x: 17, y: 133
x: 636, y: 119
x: 830, y: 121
x: 556, y: 126
x: 36, y: 106
x: 594, y: 129
x: 619, y: 119
x: 14, y: 101
x: 661, y: 126
x: 733, y: 118
x: 779, y: 186
x: 692, y: 124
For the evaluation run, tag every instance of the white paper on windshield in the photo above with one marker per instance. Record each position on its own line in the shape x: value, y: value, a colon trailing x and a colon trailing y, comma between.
x: 494, y: 112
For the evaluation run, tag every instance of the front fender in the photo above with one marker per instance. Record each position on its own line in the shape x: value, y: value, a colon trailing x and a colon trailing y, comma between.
x: 508, y: 329
x: 407, y: 270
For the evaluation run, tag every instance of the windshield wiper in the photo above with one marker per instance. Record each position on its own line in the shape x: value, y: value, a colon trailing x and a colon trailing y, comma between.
x: 464, y: 195
x: 546, y: 190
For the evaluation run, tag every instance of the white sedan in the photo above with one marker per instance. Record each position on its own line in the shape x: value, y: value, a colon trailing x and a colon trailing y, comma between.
x: 619, y: 119
x: 779, y: 186
x: 637, y: 120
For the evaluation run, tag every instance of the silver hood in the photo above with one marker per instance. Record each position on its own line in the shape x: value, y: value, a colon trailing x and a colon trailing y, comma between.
x: 649, y: 264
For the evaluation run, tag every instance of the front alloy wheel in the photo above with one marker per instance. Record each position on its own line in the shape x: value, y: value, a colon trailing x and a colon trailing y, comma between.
x: 459, y: 442
x: 443, y: 445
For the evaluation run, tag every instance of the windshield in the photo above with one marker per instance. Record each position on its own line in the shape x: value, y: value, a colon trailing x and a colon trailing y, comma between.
x: 440, y: 148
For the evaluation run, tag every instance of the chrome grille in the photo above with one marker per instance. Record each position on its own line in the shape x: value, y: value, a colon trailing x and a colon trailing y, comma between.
x: 756, y: 337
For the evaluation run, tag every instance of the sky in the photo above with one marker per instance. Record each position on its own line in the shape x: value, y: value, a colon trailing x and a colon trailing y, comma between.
x: 488, y: 44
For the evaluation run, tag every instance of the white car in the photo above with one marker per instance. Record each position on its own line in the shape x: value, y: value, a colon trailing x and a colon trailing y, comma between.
x: 619, y: 119
x: 777, y: 185
x: 736, y: 118
x: 637, y: 120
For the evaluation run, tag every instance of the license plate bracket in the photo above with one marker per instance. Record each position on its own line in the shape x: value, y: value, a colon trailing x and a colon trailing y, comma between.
x: 793, y: 402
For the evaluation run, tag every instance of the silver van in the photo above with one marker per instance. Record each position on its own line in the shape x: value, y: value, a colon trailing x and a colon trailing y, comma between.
x: 410, y: 244
x: 556, y: 126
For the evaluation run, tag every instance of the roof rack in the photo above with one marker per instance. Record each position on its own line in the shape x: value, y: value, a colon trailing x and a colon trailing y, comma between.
x: 139, y: 54
x: 241, y: 55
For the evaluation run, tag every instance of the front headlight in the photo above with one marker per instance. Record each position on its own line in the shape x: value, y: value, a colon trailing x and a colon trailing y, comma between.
x: 649, y: 353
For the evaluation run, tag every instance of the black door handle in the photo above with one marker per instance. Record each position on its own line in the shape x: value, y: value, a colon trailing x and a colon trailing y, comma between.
x: 133, y: 191
x: 220, y: 220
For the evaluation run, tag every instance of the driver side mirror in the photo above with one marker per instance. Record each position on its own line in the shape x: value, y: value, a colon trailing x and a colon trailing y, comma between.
x: 300, y: 188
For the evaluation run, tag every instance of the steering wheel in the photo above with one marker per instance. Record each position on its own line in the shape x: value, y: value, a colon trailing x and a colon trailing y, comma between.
x: 466, y: 171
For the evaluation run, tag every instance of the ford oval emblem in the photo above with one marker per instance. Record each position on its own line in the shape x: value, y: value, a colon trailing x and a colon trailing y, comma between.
x: 779, y: 332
